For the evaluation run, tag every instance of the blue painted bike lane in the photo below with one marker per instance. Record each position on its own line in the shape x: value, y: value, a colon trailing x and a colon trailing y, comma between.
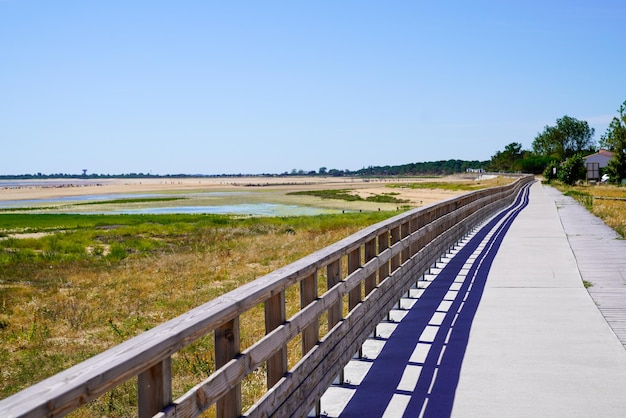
x: 434, y: 353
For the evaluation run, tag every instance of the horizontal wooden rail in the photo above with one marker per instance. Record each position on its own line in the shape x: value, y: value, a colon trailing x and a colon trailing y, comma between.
x: 372, y: 268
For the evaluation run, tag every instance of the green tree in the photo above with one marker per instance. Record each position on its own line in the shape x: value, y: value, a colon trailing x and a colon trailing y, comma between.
x: 569, y: 137
x: 571, y: 170
x: 506, y: 160
x: 615, y: 140
x: 533, y: 163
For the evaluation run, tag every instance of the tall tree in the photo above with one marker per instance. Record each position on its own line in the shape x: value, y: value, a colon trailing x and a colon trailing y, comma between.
x: 569, y: 137
x: 615, y: 140
x: 506, y: 160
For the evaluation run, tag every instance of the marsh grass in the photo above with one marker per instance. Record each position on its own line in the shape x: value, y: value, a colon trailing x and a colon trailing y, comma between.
x: 127, y: 201
x: 61, y: 303
x: 350, y: 196
x: 456, y: 186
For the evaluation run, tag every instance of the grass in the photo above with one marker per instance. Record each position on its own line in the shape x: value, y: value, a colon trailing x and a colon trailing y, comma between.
x: 456, y: 186
x: 61, y: 303
x: 126, y: 201
x: 607, y: 202
x: 100, y: 202
x: 583, y: 198
x: 345, y: 194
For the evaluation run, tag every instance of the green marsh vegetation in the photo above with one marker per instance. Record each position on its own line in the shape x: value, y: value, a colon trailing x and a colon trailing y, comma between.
x: 126, y: 201
x: 72, y: 286
x: 348, y: 195
x: 99, y: 202
x: 455, y: 186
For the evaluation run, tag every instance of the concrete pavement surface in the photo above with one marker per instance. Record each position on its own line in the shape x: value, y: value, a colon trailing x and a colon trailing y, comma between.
x: 505, y: 328
x: 539, y: 346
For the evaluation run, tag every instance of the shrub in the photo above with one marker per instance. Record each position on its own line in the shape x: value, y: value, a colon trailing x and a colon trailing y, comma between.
x: 572, y: 170
x: 118, y: 252
x: 549, y: 173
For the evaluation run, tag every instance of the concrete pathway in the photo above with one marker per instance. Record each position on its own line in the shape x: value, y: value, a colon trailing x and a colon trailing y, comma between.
x: 601, y: 257
x: 503, y: 328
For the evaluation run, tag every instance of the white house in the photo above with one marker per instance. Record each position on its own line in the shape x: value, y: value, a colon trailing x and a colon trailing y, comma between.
x: 602, y: 157
x: 596, y: 162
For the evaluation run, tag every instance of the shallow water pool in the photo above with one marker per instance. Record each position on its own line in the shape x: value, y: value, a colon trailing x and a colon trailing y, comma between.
x: 251, y: 209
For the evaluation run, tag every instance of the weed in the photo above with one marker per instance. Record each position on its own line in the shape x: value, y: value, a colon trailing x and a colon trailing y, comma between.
x: 116, y: 330
x: 583, y: 198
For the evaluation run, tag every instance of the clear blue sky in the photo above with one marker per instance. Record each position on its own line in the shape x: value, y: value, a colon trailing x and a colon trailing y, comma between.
x: 268, y: 86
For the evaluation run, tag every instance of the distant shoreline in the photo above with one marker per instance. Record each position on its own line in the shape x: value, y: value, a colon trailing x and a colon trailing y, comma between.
x: 50, y: 188
x: 266, y: 189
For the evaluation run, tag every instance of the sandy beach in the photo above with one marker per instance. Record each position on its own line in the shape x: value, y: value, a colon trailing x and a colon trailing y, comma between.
x: 270, y: 189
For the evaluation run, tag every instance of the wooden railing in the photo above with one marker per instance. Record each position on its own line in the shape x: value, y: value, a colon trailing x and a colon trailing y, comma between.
x: 371, y: 270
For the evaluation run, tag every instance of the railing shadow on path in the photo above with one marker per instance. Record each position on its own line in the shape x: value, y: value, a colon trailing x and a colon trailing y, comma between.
x: 430, y: 341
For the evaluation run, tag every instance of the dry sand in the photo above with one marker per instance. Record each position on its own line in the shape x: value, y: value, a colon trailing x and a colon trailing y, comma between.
x: 276, y: 186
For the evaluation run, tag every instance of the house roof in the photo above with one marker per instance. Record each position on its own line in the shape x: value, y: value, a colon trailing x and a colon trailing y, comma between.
x: 603, y: 153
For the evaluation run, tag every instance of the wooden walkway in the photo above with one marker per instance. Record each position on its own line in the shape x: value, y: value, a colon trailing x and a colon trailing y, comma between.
x: 601, y: 257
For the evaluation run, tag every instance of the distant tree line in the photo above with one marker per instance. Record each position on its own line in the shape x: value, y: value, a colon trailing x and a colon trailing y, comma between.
x: 42, y: 176
x: 436, y: 168
x: 92, y: 176
x: 411, y: 169
x: 443, y: 167
x: 557, y: 149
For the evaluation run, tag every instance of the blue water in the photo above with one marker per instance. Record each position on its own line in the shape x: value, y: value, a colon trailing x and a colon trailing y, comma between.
x: 246, y: 209
x: 84, y: 198
x: 105, y: 197
x: 252, y: 209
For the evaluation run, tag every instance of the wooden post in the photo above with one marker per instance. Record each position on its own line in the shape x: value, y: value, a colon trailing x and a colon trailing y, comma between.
x: 333, y: 276
x: 383, y: 270
x: 275, y: 315
x: 227, y: 346
x: 395, y: 237
x: 370, y: 253
x: 308, y: 293
x: 354, y: 263
x: 335, y: 312
x: 414, y: 248
x: 154, y: 388
x: 354, y: 297
x: 311, y: 334
x: 405, y: 231
x: 383, y: 244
